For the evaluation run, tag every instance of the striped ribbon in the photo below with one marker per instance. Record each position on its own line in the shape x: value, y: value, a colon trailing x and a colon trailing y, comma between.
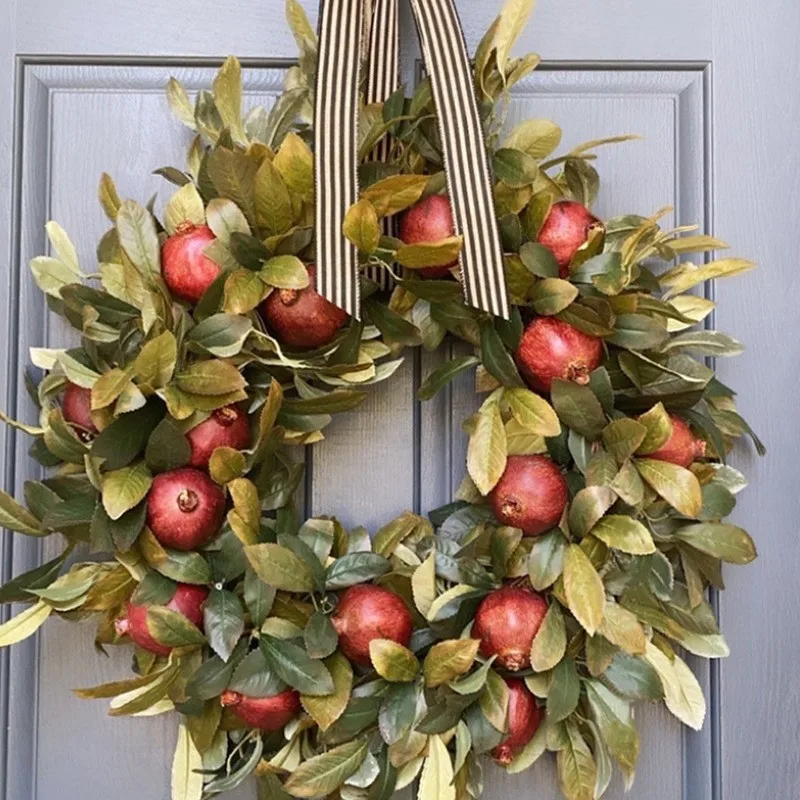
x: 342, y: 32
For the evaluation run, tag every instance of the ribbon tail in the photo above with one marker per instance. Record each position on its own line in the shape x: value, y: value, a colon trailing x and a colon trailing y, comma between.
x: 335, y: 154
x: 466, y: 163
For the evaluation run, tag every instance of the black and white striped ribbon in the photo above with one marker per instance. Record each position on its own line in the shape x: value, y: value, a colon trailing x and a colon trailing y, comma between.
x: 336, y: 135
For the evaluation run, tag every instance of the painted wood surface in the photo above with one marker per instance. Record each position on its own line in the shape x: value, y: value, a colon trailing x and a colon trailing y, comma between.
x: 711, y: 84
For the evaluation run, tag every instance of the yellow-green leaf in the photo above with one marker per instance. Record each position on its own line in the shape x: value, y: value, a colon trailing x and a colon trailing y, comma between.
x: 682, y: 693
x: 187, y: 777
x: 185, y: 205
x: 677, y: 485
x: 124, y: 488
x: 536, y: 137
x: 487, y: 450
x: 212, y: 377
x: 577, y: 771
x: 361, y: 226
x: 326, y: 709
x: 243, y: 291
x: 25, y: 624
x: 156, y: 361
x: 659, y: 429
x: 625, y: 534
x: 430, y: 254
x: 449, y: 659
x: 423, y: 584
x: 280, y: 567
x: 584, y: 589
x: 322, y: 774
x: 534, y: 413
x: 392, y: 661
x: 295, y: 162
x: 395, y: 193
x: 550, y: 642
x: 227, y: 91
x: 436, y: 782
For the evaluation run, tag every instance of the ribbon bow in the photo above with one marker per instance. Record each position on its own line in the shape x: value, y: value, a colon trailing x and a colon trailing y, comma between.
x: 342, y: 28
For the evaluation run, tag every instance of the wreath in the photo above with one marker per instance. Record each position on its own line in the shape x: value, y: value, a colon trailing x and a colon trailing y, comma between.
x: 526, y: 616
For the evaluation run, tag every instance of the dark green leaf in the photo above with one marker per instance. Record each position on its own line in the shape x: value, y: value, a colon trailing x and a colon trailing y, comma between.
x: 293, y: 665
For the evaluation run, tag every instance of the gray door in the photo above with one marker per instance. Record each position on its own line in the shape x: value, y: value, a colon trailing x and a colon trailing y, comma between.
x: 711, y: 84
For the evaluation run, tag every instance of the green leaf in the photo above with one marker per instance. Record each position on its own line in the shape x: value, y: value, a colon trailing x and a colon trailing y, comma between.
x: 678, y: 486
x: 172, y: 629
x: 625, y: 534
x: 24, y: 624
x: 225, y: 218
x: 494, y: 701
x: 638, y: 332
x: 614, y: 718
x: 392, y: 661
x: 633, y: 678
x: 546, y: 560
x: 444, y: 374
x: 564, y: 692
x: 222, y: 335
x: 211, y: 377
x: 138, y: 238
x: 539, y: 260
x: 588, y: 507
x: 280, y: 567
x: 551, y: 295
x: 355, y: 568
x: 285, y: 272
x: 320, y: 636
x: 515, y: 168
x: 167, y: 447
x: 323, y: 774
x: 497, y: 360
x: 487, y: 453
x: 623, y: 437
x: 273, y: 201
x: 550, y: 642
x: 258, y: 597
x: 17, y: 518
x: 578, y: 408
x: 395, y: 193
x: 361, y: 226
x: 326, y: 710
x: 293, y: 665
x: 155, y: 363
x: 720, y: 540
x: 449, y: 659
x: 223, y: 620
x: 125, y: 488
x: 584, y: 589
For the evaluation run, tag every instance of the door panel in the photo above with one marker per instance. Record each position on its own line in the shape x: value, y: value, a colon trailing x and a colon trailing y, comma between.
x: 81, y: 92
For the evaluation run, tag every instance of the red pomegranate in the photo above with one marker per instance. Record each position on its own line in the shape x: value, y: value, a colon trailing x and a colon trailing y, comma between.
x: 506, y: 622
x: 430, y: 220
x: 553, y: 349
x: 531, y: 495
x: 524, y: 718
x: 682, y: 447
x: 302, y: 317
x: 76, y: 406
x: 265, y: 713
x: 188, y: 600
x: 226, y: 427
x: 367, y: 612
x: 565, y: 229
x: 187, y: 271
x: 184, y: 508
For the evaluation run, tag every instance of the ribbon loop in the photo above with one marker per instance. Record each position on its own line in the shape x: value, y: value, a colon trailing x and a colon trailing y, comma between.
x: 336, y: 127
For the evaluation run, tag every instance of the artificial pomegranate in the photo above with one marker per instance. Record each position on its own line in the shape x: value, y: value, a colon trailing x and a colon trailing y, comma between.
x: 430, y: 220
x: 531, y: 494
x: 565, y: 229
x: 76, y: 406
x: 184, y: 508
x: 187, y: 271
x: 682, y: 447
x: 553, y: 349
x: 524, y: 718
x: 265, y: 713
x: 506, y: 622
x: 226, y: 427
x: 302, y: 317
x: 188, y: 600
x: 367, y: 612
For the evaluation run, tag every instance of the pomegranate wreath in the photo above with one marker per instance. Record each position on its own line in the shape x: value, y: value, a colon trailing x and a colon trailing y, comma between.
x: 219, y: 336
